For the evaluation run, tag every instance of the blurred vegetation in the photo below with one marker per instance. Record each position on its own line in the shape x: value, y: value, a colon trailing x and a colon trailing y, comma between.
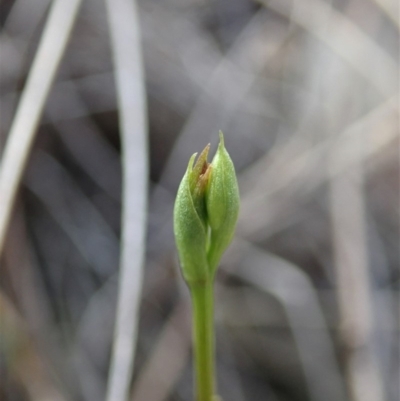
x: 308, y: 294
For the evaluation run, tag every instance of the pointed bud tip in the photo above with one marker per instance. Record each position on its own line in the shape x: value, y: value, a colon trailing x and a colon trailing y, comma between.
x: 221, y: 138
x: 191, y: 161
x: 204, y: 154
x: 202, y: 159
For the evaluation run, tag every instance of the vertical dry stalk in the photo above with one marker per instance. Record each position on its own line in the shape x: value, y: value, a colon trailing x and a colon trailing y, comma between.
x: 353, y: 283
x: 125, y: 40
x: 51, y: 49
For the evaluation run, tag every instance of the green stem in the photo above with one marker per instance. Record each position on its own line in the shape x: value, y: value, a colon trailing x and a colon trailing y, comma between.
x: 203, y: 338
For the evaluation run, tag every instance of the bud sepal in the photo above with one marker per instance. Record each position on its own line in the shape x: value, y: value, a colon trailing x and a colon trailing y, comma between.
x: 190, y: 226
x: 222, y: 204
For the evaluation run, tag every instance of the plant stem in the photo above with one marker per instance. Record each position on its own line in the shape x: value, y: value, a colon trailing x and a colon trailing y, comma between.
x: 203, y: 338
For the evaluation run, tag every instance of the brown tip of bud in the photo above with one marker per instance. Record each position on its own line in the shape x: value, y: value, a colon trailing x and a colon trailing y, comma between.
x: 199, y: 167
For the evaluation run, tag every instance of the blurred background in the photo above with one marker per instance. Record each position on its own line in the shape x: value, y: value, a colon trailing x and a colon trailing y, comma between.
x: 307, y: 297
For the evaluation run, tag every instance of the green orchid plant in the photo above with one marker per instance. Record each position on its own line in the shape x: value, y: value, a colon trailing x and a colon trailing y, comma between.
x: 205, y: 215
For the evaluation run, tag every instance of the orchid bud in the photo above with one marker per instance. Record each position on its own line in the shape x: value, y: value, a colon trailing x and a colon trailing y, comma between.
x: 205, y: 213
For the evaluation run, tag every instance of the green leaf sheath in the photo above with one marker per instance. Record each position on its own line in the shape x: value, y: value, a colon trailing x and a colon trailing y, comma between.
x: 190, y: 234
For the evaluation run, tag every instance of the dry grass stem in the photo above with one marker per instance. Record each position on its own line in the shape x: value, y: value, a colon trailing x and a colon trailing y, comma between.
x: 126, y: 45
x: 51, y: 49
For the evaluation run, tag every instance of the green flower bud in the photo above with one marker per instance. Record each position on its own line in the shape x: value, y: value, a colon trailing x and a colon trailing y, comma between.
x: 205, y: 213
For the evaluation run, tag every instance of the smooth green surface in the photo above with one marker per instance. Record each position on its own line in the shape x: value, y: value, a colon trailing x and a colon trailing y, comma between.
x: 203, y: 339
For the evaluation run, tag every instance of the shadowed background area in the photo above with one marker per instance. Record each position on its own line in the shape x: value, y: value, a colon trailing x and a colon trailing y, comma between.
x: 307, y: 296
